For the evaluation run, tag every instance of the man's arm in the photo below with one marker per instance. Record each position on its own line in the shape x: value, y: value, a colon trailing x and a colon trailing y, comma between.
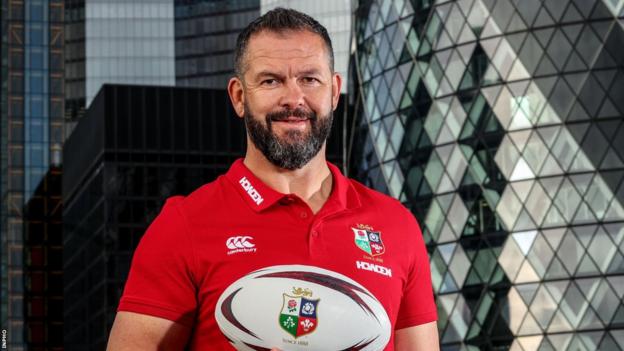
x: 134, y: 331
x: 422, y: 337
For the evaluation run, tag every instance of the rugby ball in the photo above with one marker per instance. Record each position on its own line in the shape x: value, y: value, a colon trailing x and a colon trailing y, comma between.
x: 295, y: 307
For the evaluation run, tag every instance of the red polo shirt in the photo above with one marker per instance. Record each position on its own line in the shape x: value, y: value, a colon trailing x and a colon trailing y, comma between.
x: 202, y: 243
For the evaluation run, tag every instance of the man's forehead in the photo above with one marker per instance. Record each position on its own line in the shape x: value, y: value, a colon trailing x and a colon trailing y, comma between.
x: 302, y: 41
x: 267, y: 46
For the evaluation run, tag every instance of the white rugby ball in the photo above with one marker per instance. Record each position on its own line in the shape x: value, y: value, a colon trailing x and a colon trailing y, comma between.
x: 295, y: 307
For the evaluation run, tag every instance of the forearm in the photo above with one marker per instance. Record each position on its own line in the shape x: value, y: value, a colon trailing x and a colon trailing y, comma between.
x: 418, y: 338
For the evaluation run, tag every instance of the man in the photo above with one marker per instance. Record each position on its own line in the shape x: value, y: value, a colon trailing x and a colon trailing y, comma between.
x: 282, y: 204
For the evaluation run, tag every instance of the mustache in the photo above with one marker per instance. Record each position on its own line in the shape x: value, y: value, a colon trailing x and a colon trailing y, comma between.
x: 289, y: 113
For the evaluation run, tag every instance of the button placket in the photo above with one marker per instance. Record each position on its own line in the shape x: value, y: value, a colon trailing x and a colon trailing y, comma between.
x: 315, y: 244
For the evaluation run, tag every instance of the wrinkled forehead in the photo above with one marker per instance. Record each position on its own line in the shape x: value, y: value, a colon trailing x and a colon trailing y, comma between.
x: 301, y: 47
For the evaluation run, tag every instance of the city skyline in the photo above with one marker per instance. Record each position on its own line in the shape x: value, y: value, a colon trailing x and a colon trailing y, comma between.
x: 498, y: 123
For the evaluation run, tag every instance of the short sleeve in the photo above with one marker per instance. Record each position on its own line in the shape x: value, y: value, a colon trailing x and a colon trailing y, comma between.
x: 160, y: 282
x: 417, y: 305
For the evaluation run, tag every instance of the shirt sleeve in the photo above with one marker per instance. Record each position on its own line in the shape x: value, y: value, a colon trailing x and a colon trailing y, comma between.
x: 160, y: 282
x: 417, y: 305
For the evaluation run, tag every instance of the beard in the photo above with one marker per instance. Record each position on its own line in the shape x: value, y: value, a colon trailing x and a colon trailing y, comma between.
x: 296, y: 148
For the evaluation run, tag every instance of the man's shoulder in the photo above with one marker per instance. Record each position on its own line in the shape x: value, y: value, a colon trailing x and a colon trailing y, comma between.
x: 370, y: 196
x: 206, y: 197
x: 385, y: 207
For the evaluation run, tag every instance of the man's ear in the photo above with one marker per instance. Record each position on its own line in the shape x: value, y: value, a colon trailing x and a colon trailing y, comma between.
x: 237, y: 97
x: 336, y: 86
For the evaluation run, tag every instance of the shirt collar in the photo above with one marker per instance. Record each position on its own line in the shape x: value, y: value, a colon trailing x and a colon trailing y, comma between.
x: 260, y: 196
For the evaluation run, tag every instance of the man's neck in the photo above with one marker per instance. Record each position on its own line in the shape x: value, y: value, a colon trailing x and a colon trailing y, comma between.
x: 312, y: 183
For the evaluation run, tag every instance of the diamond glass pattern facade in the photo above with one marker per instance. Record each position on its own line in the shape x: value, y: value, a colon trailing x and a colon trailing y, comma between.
x: 500, y: 124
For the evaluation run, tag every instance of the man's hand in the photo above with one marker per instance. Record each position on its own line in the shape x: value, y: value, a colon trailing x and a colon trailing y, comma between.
x: 421, y: 337
x: 134, y: 331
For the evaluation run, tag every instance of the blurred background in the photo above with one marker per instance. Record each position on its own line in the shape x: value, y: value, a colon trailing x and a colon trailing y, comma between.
x: 499, y: 123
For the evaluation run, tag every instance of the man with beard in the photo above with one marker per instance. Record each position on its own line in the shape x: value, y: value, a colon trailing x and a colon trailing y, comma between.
x: 282, y: 204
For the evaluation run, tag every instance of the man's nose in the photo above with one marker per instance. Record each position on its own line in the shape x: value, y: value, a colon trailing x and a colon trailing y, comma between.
x: 293, y: 95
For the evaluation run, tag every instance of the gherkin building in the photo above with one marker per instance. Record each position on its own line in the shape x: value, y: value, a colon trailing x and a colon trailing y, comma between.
x: 500, y: 124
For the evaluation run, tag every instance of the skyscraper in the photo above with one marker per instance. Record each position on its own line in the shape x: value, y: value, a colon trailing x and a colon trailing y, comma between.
x: 205, y: 35
x: 500, y: 123
x: 116, y: 41
x: 31, y: 115
x: 206, y: 32
x: 135, y: 147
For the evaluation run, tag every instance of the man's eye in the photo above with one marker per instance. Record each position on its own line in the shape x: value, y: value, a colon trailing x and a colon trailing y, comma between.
x: 269, y: 82
x: 310, y: 80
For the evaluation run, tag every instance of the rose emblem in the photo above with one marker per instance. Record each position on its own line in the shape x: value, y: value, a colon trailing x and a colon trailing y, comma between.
x: 292, y: 305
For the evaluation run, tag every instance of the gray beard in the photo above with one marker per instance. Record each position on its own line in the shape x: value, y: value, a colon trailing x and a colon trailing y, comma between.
x: 296, y: 148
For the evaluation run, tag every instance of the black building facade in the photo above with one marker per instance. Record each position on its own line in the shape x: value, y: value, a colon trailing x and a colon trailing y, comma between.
x: 43, y: 269
x: 135, y: 147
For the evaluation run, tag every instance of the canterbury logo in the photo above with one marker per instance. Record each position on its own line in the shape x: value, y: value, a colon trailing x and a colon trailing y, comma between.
x: 239, y: 242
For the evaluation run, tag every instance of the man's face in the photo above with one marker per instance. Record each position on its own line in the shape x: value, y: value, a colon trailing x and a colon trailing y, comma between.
x: 288, y: 95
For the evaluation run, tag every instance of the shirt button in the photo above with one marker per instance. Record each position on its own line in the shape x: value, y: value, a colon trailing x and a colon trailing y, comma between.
x: 314, y: 233
x: 287, y: 200
x: 303, y: 215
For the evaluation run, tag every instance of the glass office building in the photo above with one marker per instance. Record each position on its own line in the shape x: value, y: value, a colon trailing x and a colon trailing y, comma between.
x: 205, y: 39
x: 500, y: 124
x: 206, y: 31
x: 31, y: 119
x: 116, y: 41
